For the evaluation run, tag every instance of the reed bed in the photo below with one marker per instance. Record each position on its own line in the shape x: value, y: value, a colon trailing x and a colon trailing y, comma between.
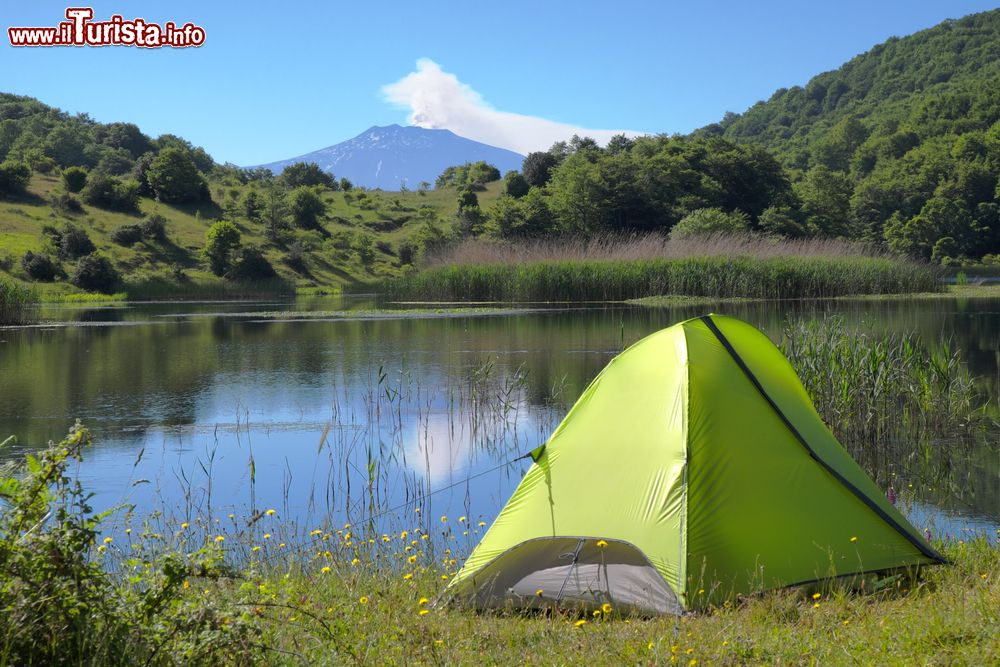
x: 723, y: 276
x: 17, y: 303
x: 629, y: 247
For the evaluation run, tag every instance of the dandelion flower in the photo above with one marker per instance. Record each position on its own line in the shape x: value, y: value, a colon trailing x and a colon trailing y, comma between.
x: 412, y: 559
x: 816, y: 606
x: 184, y: 526
x: 482, y: 523
x: 270, y: 512
x: 422, y: 601
x: 601, y: 544
x: 439, y: 642
x: 846, y: 622
x: 597, y: 612
x: 422, y: 612
x: 267, y: 536
x: 128, y: 531
x: 649, y: 646
x: 606, y: 608
x: 539, y: 592
x: 408, y: 576
x: 582, y: 622
x: 314, y: 533
x: 817, y: 596
x: 107, y: 540
x: 355, y: 561
x: 325, y: 569
x: 854, y: 539
x: 403, y: 535
x: 444, y: 519
x: 693, y: 662
x: 187, y: 584
x: 461, y: 519
x: 220, y: 538
x: 444, y: 576
x: 281, y: 546
x: 363, y: 599
x: 101, y: 549
x: 255, y: 549
x: 423, y: 537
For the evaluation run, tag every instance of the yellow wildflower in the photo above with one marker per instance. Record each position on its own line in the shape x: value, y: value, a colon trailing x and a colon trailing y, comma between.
x: 408, y: 575
x: 412, y: 559
x: 539, y: 592
x: 187, y: 584
x: 601, y: 544
x: 314, y: 533
x: 267, y: 536
x: 270, y: 512
x: 482, y: 523
x: 355, y: 561
x: 582, y: 622
x: 606, y: 608
x: 461, y: 519
x: 444, y: 519
x: 107, y: 540
x: 363, y: 599
x: 422, y: 601
x: 854, y: 539
x: 220, y: 538
x: 184, y: 526
x: 255, y: 549
x: 101, y: 549
x: 817, y: 596
x: 325, y: 569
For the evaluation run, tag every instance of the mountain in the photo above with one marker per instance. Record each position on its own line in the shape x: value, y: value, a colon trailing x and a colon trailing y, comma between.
x: 391, y: 156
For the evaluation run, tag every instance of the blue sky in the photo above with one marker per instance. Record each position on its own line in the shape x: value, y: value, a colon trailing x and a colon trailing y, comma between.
x: 272, y: 83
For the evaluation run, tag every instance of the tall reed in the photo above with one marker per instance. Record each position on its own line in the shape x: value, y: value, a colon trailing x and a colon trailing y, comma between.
x: 17, y: 303
x: 721, y: 276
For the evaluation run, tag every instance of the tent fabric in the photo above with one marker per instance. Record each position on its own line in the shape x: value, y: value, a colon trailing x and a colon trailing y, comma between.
x: 695, y: 454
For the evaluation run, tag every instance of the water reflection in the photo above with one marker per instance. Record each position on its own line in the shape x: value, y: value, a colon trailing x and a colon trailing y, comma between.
x: 233, y: 410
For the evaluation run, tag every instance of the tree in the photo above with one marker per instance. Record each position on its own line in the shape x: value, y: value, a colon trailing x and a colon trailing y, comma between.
x: 40, y: 267
x: 363, y: 247
x: 307, y: 207
x: 709, y: 222
x: 175, y: 179
x: 221, y: 241
x: 471, y: 175
x: 515, y: 185
x: 345, y: 184
x: 14, y: 178
x: 74, y: 178
x: 73, y: 242
x: 580, y: 195
x: 468, y: 216
x: 537, y: 168
x: 275, y: 212
x: 307, y: 173
x: 252, y: 205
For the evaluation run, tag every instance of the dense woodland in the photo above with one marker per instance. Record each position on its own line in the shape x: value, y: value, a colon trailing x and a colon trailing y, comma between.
x: 900, y: 147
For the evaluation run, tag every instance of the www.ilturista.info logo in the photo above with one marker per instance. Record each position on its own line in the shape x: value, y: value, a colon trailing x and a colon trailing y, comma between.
x: 80, y: 30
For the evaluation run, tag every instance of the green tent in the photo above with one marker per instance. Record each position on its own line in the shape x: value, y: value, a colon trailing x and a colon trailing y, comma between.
x: 694, y: 468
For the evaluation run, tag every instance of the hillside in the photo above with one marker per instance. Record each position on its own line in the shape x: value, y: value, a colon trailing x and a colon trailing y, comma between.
x: 900, y: 145
x: 395, y: 157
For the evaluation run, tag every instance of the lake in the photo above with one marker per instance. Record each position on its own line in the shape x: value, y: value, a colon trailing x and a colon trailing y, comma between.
x: 203, y: 410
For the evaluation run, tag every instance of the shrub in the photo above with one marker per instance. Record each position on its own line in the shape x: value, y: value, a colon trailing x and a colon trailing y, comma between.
x: 40, y: 267
x: 73, y: 242
x: 708, y: 221
x: 14, y: 177
x: 127, y: 235
x: 64, y: 202
x: 95, y: 273
x: 174, y: 177
x: 250, y: 264
x: 407, y: 251
x: 363, y: 247
x: 74, y: 178
x: 154, y: 228
x: 111, y: 193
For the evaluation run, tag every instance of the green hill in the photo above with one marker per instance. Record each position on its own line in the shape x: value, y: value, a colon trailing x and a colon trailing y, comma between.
x: 900, y: 145
x: 66, y: 179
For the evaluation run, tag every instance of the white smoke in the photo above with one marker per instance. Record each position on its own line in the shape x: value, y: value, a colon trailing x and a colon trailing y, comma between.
x: 438, y: 100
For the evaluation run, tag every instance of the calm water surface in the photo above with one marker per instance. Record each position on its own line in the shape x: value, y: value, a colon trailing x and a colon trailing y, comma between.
x: 214, y: 407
